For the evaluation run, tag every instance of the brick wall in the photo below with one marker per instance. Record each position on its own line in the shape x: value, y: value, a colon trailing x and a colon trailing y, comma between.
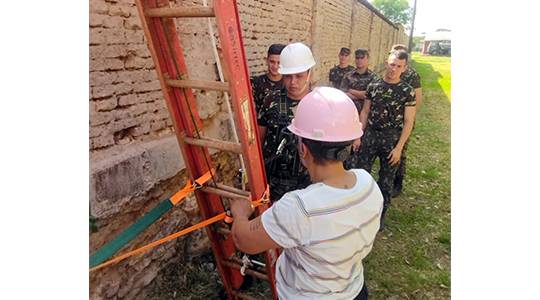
x: 267, y: 22
x: 134, y: 158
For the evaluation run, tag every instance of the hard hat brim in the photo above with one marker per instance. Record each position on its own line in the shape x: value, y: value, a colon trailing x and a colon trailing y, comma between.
x: 308, y: 135
x: 286, y: 71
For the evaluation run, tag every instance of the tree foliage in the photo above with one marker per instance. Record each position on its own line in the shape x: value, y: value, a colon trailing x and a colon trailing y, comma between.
x: 397, y: 11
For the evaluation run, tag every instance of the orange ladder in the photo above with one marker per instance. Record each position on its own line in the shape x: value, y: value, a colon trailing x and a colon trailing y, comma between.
x: 158, y: 20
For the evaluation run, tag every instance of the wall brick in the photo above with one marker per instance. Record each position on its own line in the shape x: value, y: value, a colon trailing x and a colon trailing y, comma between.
x: 113, y: 22
x: 102, y: 141
x: 147, y: 86
x: 134, y: 36
x: 99, y: 7
x: 101, y: 118
x: 103, y: 91
x: 128, y: 99
x: 135, y: 62
x: 102, y: 78
x: 97, y: 130
x: 120, y: 10
x: 113, y: 35
x: 97, y: 20
x: 106, y: 104
x: 133, y: 23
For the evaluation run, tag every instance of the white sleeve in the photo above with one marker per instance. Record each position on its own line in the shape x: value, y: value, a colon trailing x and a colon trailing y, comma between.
x: 286, y: 224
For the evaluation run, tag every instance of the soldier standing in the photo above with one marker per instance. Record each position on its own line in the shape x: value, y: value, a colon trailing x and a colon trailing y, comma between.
x: 284, y: 170
x: 411, y: 77
x: 337, y: 72
x: 390, y: 109
x: 264, y: 84
x: 354, y: 84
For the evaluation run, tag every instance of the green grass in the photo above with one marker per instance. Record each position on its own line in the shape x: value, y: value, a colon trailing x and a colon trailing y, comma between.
x: 411, y: 257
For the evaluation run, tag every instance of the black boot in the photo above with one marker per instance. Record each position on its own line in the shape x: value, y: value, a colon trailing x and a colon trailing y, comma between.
x: 383, y: 214
x: 398, y: 186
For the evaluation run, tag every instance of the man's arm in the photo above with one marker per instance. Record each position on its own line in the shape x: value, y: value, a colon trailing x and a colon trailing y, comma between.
x: 249, y: 236
x: 357, y: 94
x: 364, y: 113
x: 395, y: 155
x: 418, y: 92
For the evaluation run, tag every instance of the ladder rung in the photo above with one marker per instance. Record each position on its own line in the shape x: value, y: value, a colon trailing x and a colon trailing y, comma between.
x: 214, y: 143
x: 240, y: 295
x: 247, y: 271
x: 180, y: 12
x: 223, y: 193
x: 199, y: 84
x: 232, y: 189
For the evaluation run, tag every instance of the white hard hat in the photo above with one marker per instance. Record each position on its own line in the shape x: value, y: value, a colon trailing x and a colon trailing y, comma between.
x: 295, y: 58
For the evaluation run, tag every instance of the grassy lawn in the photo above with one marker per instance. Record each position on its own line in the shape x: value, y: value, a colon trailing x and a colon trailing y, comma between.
x: 411, y: 257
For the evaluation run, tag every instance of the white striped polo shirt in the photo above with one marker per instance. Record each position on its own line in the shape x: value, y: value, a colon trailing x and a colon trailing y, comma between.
x: 325, y: 232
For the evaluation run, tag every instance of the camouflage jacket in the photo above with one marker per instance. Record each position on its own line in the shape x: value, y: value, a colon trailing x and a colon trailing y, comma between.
x: 280, y: 145
x: 356, y: 81
x: 336, y: 75
x: 388, y: 103
x: 411, y: 77
x: 261, y: 86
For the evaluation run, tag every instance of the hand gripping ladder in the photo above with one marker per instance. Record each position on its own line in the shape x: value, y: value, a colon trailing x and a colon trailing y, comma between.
x: 158, y: 20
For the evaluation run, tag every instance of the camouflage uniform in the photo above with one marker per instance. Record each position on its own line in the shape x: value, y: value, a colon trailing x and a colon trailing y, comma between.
x: 284, y: 169
x: 261, y: 86
x: 385, y: 123
x: 356, y: 81
x: 336, y: 75
x: 411, y: 77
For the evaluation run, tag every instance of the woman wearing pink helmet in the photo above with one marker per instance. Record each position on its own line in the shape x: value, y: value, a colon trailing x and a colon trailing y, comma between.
x: 326, y: 229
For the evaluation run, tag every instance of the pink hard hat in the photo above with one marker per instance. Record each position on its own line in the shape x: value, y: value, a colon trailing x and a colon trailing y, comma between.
x: 326, y: 114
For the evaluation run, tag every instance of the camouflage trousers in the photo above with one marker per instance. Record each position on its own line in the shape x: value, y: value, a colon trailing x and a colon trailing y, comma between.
x: 400, y: 174
x: 280, y: 186
x: 379, y: 144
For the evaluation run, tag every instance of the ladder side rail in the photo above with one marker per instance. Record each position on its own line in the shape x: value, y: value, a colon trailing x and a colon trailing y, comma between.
x: 230, y: 34
x: 194, y: 156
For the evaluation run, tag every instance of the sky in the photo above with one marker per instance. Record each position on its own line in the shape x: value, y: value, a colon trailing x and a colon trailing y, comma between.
x: 431, y: 15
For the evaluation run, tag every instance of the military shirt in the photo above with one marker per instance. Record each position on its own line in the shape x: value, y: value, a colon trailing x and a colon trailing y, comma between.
x: 356, y: 81
x: 261, y: 86
x: 411, y: 77
x: 388, y: 102
x: 336, y: 74
x: 276, y: 117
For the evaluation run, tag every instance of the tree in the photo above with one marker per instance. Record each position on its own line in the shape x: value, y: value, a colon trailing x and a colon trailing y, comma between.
x: 397, y: 11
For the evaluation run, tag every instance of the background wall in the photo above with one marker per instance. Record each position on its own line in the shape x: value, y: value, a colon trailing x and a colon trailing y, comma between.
x: 134, y: 157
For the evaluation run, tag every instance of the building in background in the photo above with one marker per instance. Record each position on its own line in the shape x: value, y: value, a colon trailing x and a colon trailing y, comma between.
x: 437, y: 43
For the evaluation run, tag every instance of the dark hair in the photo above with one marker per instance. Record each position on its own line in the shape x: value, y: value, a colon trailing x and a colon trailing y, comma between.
x: 399, y: 47
x: 275, y: 49
x: 361, y: 52
x: 325, y: 152
x: 401, y: 54
x: 345, y: 51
